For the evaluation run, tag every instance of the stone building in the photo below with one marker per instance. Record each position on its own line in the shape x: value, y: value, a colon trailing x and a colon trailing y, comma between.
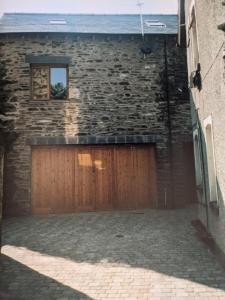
x: 101, y: 115
x: 205, y: 26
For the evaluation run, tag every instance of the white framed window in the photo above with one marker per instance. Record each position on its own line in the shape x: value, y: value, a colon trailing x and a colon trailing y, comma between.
x: 193, y: 35
x: 198, y: 160
x: 208, y: 124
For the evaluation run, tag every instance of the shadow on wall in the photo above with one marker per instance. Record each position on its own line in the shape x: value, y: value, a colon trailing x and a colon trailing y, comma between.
x: 31, y: 284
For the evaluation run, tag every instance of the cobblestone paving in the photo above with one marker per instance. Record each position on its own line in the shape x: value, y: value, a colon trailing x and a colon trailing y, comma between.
x: 119, y: 255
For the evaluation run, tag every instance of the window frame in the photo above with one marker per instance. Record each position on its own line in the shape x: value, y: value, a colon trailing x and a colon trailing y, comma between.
x: 194, y: 40
x: 193, y: 35
x: 197, y: 158
x: 211, y: 160
x: 49, y: 66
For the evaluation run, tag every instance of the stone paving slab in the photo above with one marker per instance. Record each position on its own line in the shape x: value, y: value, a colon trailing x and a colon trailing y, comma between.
x: 141, y: 255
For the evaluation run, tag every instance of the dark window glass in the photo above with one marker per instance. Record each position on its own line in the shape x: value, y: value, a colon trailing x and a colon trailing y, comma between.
x: 58, y: 81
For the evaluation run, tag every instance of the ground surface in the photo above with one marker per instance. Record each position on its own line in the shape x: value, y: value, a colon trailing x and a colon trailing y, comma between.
x: 119, y: 255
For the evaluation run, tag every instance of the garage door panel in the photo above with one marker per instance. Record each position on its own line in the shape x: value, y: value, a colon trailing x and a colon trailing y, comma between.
x: 144, y: 184
x: 103, y: 165
x: 152, y: 175
x: 84, y: 179
x: 61, y: 180
x: 135, y: 177
x: 89, y: 178
x: 40, y: 188
x: 123, y: 159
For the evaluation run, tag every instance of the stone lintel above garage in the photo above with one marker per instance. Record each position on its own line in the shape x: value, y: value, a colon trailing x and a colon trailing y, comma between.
x: 94, y: 140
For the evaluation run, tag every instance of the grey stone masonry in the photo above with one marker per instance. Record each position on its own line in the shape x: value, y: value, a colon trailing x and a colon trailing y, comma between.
x: 115, y: 95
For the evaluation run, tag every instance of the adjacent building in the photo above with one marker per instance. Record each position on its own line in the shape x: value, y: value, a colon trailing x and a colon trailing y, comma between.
x: 205, y: 43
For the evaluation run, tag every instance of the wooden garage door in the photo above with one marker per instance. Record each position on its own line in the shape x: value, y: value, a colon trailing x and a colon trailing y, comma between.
x: 89, y: 178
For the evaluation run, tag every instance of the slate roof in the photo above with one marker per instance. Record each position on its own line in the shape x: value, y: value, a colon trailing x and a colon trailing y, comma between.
x: 112, y: 24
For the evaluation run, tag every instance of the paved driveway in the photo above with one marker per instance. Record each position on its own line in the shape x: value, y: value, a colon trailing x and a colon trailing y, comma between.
x: 114, y: 255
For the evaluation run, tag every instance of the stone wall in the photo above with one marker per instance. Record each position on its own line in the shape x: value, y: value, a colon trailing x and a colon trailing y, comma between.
x: 113, y: 91
x: 210, y: 101
x: 1, y: 187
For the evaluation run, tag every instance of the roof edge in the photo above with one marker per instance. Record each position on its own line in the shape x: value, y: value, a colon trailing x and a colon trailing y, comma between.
x: 85, y: 14
x: 85, y: 33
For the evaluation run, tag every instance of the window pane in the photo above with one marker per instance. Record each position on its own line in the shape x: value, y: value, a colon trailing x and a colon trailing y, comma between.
x: 58, y: 83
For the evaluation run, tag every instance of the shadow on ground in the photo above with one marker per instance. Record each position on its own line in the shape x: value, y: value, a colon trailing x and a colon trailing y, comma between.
x: 160, y: 241
x: 34, y: 285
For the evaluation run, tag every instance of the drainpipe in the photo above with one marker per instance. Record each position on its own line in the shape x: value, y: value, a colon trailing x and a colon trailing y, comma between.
x: 169, y: 121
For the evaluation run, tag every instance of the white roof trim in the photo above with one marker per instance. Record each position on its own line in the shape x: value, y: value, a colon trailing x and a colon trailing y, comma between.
x: 58, y: 22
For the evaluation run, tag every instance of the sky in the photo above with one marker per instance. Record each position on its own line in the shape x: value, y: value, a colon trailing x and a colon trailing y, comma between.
x: 58, y: 75
x: 89, y: 6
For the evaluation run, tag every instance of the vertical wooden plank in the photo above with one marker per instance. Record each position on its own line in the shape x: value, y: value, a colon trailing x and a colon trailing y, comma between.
x: 103, y: 165
x: 54, y: 188
x: 62, y: 179
x: 153, y: 176
x: 84, y: 179
x: 144, y: 184
x: 40, y: 174
x: 123, y: 177
x: 69, y: 195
